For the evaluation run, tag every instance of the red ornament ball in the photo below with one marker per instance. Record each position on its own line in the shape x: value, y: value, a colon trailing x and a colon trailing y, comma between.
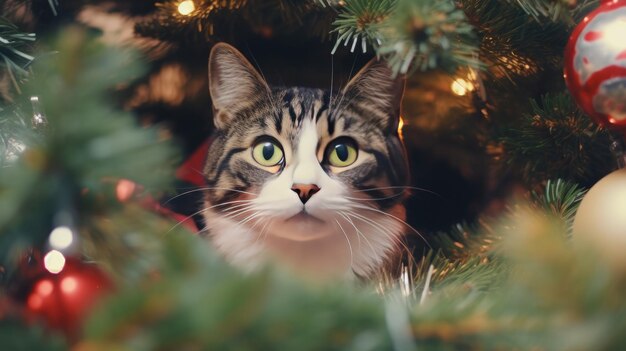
x: 595, y: 64
x: 63, y: 299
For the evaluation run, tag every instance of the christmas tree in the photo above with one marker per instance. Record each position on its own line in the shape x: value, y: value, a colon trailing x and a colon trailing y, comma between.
x: 105, y: 104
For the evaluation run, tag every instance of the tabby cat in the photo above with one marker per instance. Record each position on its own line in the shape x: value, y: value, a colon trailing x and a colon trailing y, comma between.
x: 299, y: 177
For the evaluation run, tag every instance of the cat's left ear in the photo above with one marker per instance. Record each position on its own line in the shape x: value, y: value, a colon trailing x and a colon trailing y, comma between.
x: 234, y: 84
x: 377, y: 91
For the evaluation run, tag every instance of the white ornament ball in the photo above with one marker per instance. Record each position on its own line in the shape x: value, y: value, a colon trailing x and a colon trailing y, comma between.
x: 600, y: 222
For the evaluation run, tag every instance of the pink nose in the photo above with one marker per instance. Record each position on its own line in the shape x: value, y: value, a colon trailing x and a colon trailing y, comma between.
x: 305, y: 191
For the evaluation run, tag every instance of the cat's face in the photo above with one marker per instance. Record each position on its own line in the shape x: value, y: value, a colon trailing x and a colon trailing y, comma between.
x: 296, y: 170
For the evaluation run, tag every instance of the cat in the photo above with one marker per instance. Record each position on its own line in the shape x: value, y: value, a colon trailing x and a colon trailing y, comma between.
x: 301, y: 178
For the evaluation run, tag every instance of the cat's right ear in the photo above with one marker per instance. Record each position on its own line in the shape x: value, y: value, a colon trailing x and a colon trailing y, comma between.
x: 233, y: 83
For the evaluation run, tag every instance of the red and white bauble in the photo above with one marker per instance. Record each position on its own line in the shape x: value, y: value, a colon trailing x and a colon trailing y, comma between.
x: 595, y: 64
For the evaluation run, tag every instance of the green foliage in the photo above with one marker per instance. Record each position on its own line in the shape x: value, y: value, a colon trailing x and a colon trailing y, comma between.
x: 54, y: 5
x: 506, y: 35
x: 513, y: 43
x: 16, y: 133
x: 14, y: 45
x: 555, y: 139
x: 544, y: 9
x: 358, y: 22
x: 410, y: 34
x: 553, y: 10
x: 213, y: 20
x: 511, y: 283
x: 531, y: 309
x: 560, y: 199
x: 15, y: 335
x: 68, y: 177
x: 429, y: 34
x: 198, y: 302
x: 508, y: 301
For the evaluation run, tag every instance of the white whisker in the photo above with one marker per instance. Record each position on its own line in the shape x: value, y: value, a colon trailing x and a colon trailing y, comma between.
x: 203, y: 210
x: 347, y: 217
x: 397, y: 239
x: 399, y: 187
x: 238, y: 212
x: 349, y: 245
x: 267, y: 221
x: 373, y: 198
x: 394, y: 217
x: 251, y: 217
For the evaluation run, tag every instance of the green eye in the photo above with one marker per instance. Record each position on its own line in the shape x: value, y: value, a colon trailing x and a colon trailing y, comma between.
x: 342, y: 154
x: 267, y: 153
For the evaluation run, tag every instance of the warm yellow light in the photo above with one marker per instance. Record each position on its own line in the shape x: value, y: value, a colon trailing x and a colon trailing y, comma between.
x: 186, y: 7
x: 613, y: 34
x: 461, y: 86
x: 400, y: 125
x: 471, y: 75
x: 54, y: 261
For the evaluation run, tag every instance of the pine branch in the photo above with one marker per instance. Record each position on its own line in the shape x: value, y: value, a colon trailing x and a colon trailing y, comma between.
x: 18, y: 335
x: 429, y: 34
x: 553, y: 10
x: 358, y: 22
x: 513, y: 42
x: 54, y: 6
x: 412, y: 35
x: 214, y: 20
x: 16, y: 134
x: 560, y: 199
x: 14, y: 45
x: 68, y: 178
x: 534, y: 290
x: 555, y: 139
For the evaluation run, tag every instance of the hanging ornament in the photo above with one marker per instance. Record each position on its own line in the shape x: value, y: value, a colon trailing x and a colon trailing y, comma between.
x: 62, y: 289
x: 64, y: 292
x: 601, y: 218
x: 595, y: 64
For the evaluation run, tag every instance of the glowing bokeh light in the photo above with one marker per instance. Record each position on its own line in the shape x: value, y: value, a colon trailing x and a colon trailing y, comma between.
x: 400, y: 126
x: 61, y: 238
x: 125, y: 189
x: 44, y: 288
x: 461, y: 86
x: 54, y: 261
x: 186, y: 7
x: 69, y: 285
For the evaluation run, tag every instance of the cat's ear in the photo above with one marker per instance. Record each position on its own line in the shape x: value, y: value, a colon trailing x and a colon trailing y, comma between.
x: 233, y: 83
x: 378, y: 91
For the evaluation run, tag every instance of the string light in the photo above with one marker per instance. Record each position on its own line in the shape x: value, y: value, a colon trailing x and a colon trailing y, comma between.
x: 186, y: 7
x: 61, y: 238
x: 461, y: 86
x: 54, y: 261
x: 400, y: 126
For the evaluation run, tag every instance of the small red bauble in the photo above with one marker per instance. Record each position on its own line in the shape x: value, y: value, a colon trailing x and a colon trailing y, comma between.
x: 64, y: 299
x: 595, y: 64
